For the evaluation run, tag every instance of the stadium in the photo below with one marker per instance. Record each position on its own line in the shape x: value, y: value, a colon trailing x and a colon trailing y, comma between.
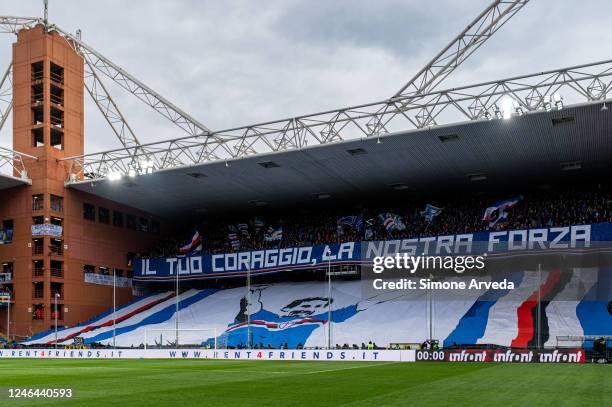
x: 444, y: 245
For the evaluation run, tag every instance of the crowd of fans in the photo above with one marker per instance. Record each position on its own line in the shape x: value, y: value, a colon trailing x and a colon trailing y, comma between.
x: 461, y: 214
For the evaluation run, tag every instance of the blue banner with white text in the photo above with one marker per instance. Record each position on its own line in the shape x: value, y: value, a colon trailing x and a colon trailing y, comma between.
x: 566, y: 239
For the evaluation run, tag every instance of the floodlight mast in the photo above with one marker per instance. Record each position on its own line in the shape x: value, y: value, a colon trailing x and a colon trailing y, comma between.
x: 445, y: 62
x: 6, y: 95
x: 459, y: 49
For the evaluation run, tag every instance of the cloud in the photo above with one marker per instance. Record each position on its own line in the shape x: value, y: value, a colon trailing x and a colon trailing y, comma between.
x: 236, y: 62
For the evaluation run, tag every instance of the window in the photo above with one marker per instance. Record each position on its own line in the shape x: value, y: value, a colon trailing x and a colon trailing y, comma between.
x: 38, y: 311
x: 89, y: 211
x: 57, y: 138
x: 57, y: 119
x: 119, y: 272
x: 131, y: 222
x: 57, y: 288
x: 104, y: 271
x: 7, y: 270
x: 38, y: 290
x: 103, y: 215
x: 6, y: 231
x: 38, y: 220
x: 57, y: 269
x: 56, y: 247
x: 38, y: 268
x: 57, y: 312
x: 117, y: 219
x: 155, y: 226
x: 56, y: 73
x: 88, y: 268
x: 57, y: 203
x: 37, y: 71
x: 38, y: 137
x: 37, y: 246
x: 38, y: 202
x: 143, y: 225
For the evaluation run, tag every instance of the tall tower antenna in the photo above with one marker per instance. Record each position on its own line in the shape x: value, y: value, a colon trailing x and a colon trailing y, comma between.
x: 46, y: 14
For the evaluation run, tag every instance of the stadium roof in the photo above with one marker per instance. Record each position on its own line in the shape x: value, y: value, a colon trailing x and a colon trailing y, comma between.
x: 488, y: 152
x: 8, y: 181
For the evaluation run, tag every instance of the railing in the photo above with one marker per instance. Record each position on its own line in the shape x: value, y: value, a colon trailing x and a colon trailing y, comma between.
x: 58, y: 100
x: 38, y: 272
x: 55, y: 272
x: 37, y: 75
x: 38, y: 293
x: 56, y: 250
x: 37, y: 98
x: 57, y: 78
x: 57, y: 121
x: 37, y: 250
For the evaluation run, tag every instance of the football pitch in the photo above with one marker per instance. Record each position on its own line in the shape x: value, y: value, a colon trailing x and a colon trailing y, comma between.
x: 185, y: 383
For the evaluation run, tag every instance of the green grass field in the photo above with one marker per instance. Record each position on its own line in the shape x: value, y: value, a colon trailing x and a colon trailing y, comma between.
x: 185, y: 383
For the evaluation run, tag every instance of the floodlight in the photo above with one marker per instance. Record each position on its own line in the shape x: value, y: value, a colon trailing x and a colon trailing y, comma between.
x: 114, y: 176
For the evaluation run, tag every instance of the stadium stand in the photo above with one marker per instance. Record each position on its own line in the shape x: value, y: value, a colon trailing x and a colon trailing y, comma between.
x: 565, y: 205
x: 289, y: 310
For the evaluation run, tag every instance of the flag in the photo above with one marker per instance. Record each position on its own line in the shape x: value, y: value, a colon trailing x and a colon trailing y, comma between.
x: 353, y: 222
x: 391, y: 221
x: 497, y: 212
x: 258, y: 224
x: 244, y: 230
x: 234, y: 240
x: 430, y: 212
x: 272, y: 234
x: 193, y: 244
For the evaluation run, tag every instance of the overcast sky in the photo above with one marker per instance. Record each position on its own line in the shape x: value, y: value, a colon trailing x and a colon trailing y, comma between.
x: 231, y: 63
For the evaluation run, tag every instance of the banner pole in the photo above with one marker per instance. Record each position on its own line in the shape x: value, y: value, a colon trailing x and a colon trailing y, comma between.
x: 176, y: 308
x: 248, y: 309
x: 329, y: 300
x: 114, y: 306
x: 539, y: 306
x: 8, y: 321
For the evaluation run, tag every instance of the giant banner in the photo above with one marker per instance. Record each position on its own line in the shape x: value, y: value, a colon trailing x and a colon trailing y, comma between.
x: 573, y: 238
x: 101, y: 279
x: 45, y: 229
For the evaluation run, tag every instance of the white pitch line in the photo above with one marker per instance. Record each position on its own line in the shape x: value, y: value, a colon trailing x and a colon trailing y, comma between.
x: 290, y: 372
x: 249, y: 371
x: 352, y: 367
